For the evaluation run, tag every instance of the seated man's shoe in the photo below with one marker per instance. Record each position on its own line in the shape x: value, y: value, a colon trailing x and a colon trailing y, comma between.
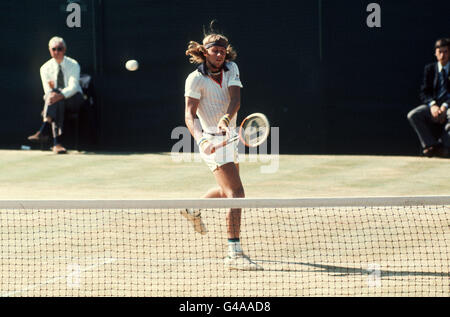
x: 436, y: 151
x: 430, y: 151
x: 59, y: 149
x: 38, y: 137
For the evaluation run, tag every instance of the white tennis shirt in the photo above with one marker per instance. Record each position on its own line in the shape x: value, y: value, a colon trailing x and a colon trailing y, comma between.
x: 214, y: 97
x: 71, y: 71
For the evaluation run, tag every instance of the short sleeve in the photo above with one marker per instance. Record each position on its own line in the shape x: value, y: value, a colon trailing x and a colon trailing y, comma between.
x: 234, y: 79
x: 193, y: 86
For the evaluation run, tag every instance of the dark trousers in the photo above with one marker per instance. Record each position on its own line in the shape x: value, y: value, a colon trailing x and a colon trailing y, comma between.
x: 428, y: 130
x: 57, y: 111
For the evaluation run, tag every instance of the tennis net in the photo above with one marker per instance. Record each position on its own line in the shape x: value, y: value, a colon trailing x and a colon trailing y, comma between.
x: 386, y: 246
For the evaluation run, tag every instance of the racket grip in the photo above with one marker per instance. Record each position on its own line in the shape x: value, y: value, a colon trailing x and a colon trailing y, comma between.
x: 219, y: 145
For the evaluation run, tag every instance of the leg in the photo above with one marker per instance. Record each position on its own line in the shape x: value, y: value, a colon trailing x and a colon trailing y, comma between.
x: 421, y: 120
x: 195, y: 215
x: 55, y: 115
x: 446, y: 135
x: 217, y: 192
x: 227, y: 176
x: 73, y: 104
x: 41, y: 134
x: 230, y: 186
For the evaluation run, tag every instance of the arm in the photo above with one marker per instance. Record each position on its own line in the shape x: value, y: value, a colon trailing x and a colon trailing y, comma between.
x: 235, y: 104
x: 48, y: 86
x: 194, y: 126
x: 45, y: 81
x: 235, y: 100
x: 446, y: 103
x: 191, y: 119
x: 234, y: 89
x: 443, y: 110
x: 73, y: 82
x: 426, y: 90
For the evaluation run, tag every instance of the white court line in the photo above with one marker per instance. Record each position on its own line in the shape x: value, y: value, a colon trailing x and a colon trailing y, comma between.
x: 56, y: 279
x: 107, y: 261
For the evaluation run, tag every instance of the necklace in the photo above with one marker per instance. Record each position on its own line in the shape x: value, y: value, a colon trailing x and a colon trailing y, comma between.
x: 215, y: 74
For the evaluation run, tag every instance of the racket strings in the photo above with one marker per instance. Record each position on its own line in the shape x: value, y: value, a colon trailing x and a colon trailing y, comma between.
x: 254, y: 130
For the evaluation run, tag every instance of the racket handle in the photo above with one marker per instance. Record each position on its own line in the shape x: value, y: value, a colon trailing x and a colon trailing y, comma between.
x: 218, y: 146
x: 224, y: 143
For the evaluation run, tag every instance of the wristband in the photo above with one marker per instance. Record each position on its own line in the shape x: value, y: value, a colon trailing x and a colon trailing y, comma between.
x: 201, y: 141
x: 226, y: 119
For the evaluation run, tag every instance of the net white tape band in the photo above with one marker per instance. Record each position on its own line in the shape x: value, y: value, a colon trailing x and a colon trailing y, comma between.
x: 226, y: 203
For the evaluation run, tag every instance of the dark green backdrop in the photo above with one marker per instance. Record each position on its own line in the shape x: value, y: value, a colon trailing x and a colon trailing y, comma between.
x: 329, y: 82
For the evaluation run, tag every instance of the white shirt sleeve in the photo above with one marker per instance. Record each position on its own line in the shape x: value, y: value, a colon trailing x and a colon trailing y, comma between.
x: 193, y: 87
x: 45, y: 77
x: 234, y: 79
x: 73, y: 81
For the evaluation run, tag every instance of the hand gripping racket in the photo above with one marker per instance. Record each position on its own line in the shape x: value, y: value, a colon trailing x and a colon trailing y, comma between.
x: 253, y: 131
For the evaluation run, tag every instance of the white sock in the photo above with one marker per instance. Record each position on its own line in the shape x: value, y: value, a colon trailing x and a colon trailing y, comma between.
x: 234, y: 248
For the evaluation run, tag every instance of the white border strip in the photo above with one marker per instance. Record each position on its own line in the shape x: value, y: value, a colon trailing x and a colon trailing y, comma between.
x: 226, y: 203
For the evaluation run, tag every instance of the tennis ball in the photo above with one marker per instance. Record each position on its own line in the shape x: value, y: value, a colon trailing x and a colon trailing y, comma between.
x: 132, y: 65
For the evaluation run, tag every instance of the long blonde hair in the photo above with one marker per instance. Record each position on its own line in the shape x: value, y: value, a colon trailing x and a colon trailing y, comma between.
x: 196, y: 51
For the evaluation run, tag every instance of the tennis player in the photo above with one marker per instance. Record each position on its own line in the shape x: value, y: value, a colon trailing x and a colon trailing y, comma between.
x: 212, y: 97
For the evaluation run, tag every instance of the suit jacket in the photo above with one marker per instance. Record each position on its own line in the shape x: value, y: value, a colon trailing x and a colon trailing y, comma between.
x: 429, y: 88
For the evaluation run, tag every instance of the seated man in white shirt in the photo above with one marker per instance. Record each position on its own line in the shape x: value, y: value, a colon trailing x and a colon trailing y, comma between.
x: 60, y: 79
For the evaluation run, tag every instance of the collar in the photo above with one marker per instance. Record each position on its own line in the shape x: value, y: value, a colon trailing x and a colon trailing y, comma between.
x: 62, y: 63
x: 446, y: 67
x: 204, y: 70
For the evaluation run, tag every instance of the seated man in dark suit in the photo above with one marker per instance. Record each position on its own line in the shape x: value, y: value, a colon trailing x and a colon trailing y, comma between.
x: 431, y: 121
x: 60, y: 79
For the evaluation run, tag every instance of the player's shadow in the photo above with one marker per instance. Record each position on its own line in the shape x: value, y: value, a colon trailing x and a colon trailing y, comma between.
x: 347, y: 271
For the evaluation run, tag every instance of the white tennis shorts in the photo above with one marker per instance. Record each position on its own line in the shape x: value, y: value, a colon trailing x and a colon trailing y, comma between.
x: 223, y: 155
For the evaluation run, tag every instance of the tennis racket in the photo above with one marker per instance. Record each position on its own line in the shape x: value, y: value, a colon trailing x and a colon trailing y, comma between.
x: 253, y: 131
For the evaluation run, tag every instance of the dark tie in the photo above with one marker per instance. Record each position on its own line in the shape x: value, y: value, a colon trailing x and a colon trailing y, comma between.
x: 60, y: 83
x: 442, y: 92
x: 445, y: 75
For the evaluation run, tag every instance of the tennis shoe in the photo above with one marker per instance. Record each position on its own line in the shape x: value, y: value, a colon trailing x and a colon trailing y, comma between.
x: 59, y: 149
x: 38, y: 137
x: 241, y: 262
x: 194, y: 216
